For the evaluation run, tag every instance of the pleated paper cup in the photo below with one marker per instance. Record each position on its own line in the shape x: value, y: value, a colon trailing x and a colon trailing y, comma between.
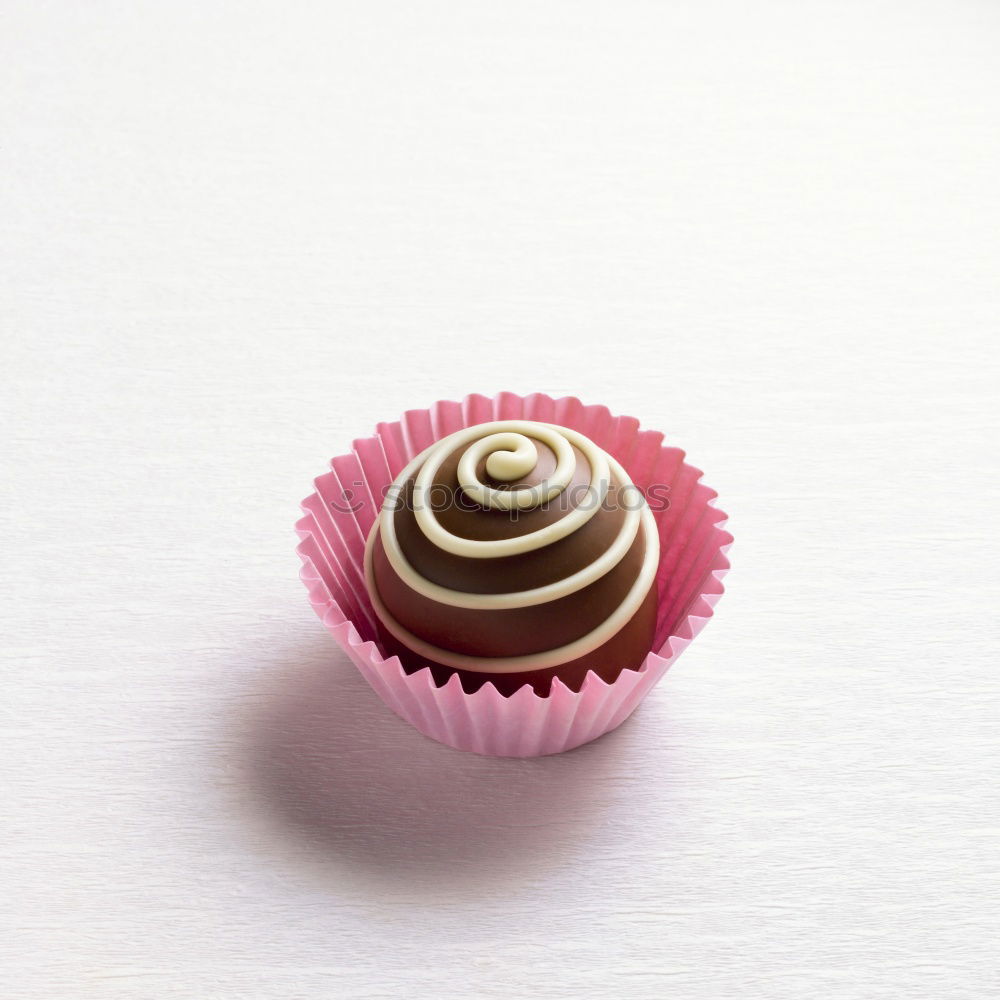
x: 340, y: 513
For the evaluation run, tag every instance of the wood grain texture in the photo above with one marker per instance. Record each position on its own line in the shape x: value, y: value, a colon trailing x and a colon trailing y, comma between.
x: 234, y: 236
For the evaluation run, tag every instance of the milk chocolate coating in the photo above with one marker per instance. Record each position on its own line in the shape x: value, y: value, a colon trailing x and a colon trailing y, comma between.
x: 625, y: 651
x: 521, y: 630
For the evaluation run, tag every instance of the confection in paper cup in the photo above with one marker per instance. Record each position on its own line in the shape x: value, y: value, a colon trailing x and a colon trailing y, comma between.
x: 338, y: 518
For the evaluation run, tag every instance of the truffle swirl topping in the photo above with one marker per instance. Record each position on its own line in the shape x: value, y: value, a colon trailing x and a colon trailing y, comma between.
x: 506, y: 452
x: 513, y: 454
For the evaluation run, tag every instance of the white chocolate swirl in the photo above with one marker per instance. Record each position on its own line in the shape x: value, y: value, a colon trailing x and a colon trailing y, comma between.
x: 511, y: 454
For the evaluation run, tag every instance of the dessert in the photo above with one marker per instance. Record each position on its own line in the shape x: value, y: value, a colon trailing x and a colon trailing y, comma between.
x: 341, y: 554
x: 513, y: 552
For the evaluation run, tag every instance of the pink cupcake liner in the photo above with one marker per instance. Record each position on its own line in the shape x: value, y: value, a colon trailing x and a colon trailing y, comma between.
x: 339, y: 514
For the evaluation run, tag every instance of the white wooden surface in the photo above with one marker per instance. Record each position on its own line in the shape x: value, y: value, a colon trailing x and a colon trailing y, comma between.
x: 235, y: 235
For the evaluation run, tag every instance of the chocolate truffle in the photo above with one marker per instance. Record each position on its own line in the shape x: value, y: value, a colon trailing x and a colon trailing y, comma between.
x: 514, y: 552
